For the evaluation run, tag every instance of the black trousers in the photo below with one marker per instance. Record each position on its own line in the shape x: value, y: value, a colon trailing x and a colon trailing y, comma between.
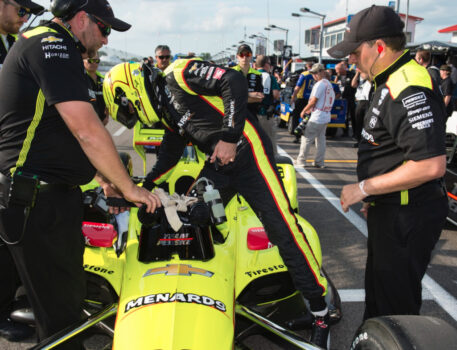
x: 400, y: 243
x: 254, y: 175
x: 350, y: 114
x: 49, y: 260
x: 360, y: 110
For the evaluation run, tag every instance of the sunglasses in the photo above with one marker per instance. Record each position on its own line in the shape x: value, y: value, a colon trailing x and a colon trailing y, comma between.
x: 245, y: 54
x: 21, y: 11
x: 93, y: 60
x: 104, y: 28
x: 165, y: 57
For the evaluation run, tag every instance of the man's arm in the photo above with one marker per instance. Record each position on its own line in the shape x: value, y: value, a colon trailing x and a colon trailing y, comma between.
x: 355, y: 80
x: 97, y: 144
x: 409, y: 175
x: 447, y: 100
x: 255, y: 96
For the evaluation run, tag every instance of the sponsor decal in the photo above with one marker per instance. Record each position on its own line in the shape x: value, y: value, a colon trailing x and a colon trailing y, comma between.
x: 265, y: 270
x: 176, y: 297
x: 54, y: 47
x: 231, y: 113
x: 375, y: 111
x: 218, y: 73
x: 203, y: 71
x: 100, y: 269
x: 210, y: 73
x: 136, y: 72
x: 92, y: 94
x: 373, y: 121
x: 178, y: 270
x: 185, y: 118
x: 384, y: 93
x: 194, y: 69
x: 51, y: 39
x: 367, y: 136
x: 414, y: 100
x: 49, y: 55
x: 424, y: 124
x: 418, y: 110
x: 420, y: 116
x: 358, y: 339
x: 175, y: 239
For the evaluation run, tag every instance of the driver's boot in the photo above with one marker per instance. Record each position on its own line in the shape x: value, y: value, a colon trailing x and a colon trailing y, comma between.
x: 14, y: 331
x: 321, y: 331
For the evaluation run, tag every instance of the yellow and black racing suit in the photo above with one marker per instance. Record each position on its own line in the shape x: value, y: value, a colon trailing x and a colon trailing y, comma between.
x: 211, y: 102
x: 405, y: 122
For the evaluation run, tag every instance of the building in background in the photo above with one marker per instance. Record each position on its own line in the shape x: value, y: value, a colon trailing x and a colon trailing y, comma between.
x: 451, y: 29
x: 334, y: 33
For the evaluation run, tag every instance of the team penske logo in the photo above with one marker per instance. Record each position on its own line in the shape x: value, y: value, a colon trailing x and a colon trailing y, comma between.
x: 51, y: 39
x: 178, y: 270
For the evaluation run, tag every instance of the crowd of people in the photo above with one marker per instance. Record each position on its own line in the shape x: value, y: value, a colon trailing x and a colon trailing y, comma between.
x: 53, y: 139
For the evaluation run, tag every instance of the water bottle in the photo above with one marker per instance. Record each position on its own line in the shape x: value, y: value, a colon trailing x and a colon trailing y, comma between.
x: 213, y: 199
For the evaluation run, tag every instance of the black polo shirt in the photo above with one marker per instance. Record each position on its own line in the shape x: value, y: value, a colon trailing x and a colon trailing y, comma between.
x: 96, y: 94
x: 44, y: 67
x: 254, y: 80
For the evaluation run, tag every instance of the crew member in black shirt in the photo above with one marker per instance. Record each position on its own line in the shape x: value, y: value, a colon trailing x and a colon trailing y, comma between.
x: 51, y: 141
x: 95, y: 79
x: 253, y: 77
x: 401, y: 162
x: 447, y: 89
x: 13, y: 14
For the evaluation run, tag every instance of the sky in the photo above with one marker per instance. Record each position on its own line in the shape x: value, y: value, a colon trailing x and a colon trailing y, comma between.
x: 212, y: 26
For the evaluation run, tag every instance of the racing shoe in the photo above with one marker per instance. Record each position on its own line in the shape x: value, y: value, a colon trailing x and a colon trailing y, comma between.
x: 320, y: 331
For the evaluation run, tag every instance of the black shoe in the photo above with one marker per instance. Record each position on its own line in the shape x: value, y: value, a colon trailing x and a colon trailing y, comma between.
x: 15, y: 331
x: 355, y: 145
x: 320, y: 331
x: 296, y: 141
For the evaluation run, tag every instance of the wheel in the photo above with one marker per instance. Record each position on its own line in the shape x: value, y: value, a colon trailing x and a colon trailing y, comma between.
x: 331, y: 132
x: 279, y: 122
x: 290, y: 125
x: 404, y: 333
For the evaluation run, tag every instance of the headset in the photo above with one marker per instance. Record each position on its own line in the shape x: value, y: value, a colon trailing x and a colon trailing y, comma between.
x: 66, y: 9
x: 380, y: 49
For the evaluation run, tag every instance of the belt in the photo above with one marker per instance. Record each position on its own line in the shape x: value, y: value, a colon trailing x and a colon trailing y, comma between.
x: 45, y: 187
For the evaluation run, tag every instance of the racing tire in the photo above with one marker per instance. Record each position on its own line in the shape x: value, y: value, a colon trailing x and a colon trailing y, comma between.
x: 405, y: 332
x: 290, y: 126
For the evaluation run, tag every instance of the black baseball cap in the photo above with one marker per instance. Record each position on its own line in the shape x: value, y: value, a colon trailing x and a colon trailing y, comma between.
x: 446, y: 68
x: 34, y: 7
x: 243, y: 48
x: 371, y: 23
x: 102, y: 10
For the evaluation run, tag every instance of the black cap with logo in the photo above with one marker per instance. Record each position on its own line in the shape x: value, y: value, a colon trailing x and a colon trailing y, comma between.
x: 371, y: 23
x: 102, y: 10
x: 243, y: 48
x: 32, y: 6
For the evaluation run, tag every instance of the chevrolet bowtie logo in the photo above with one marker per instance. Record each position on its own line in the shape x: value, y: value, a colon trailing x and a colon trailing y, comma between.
x: 51, y: 39
x: 178, y: 269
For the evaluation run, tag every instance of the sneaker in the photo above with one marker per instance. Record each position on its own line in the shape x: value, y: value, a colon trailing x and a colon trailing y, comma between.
x: 299, y: 163
x: 320, y: 331
x: 319, y: 166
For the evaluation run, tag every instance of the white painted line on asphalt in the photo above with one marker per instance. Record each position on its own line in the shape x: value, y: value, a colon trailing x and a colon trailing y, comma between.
x: 437, y: 293
x: 120, y: 131
x: 358, y: 295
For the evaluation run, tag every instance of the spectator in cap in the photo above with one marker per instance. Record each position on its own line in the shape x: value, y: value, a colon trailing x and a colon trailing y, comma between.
x: 319, y: 105
x: 447, y: 88
x: 401, y: 162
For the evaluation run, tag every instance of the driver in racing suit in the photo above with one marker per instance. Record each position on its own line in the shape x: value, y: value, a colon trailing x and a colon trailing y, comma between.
x: 206, y: 104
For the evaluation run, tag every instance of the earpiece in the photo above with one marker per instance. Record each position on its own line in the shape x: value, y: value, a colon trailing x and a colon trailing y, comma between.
x: 380, y: 49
